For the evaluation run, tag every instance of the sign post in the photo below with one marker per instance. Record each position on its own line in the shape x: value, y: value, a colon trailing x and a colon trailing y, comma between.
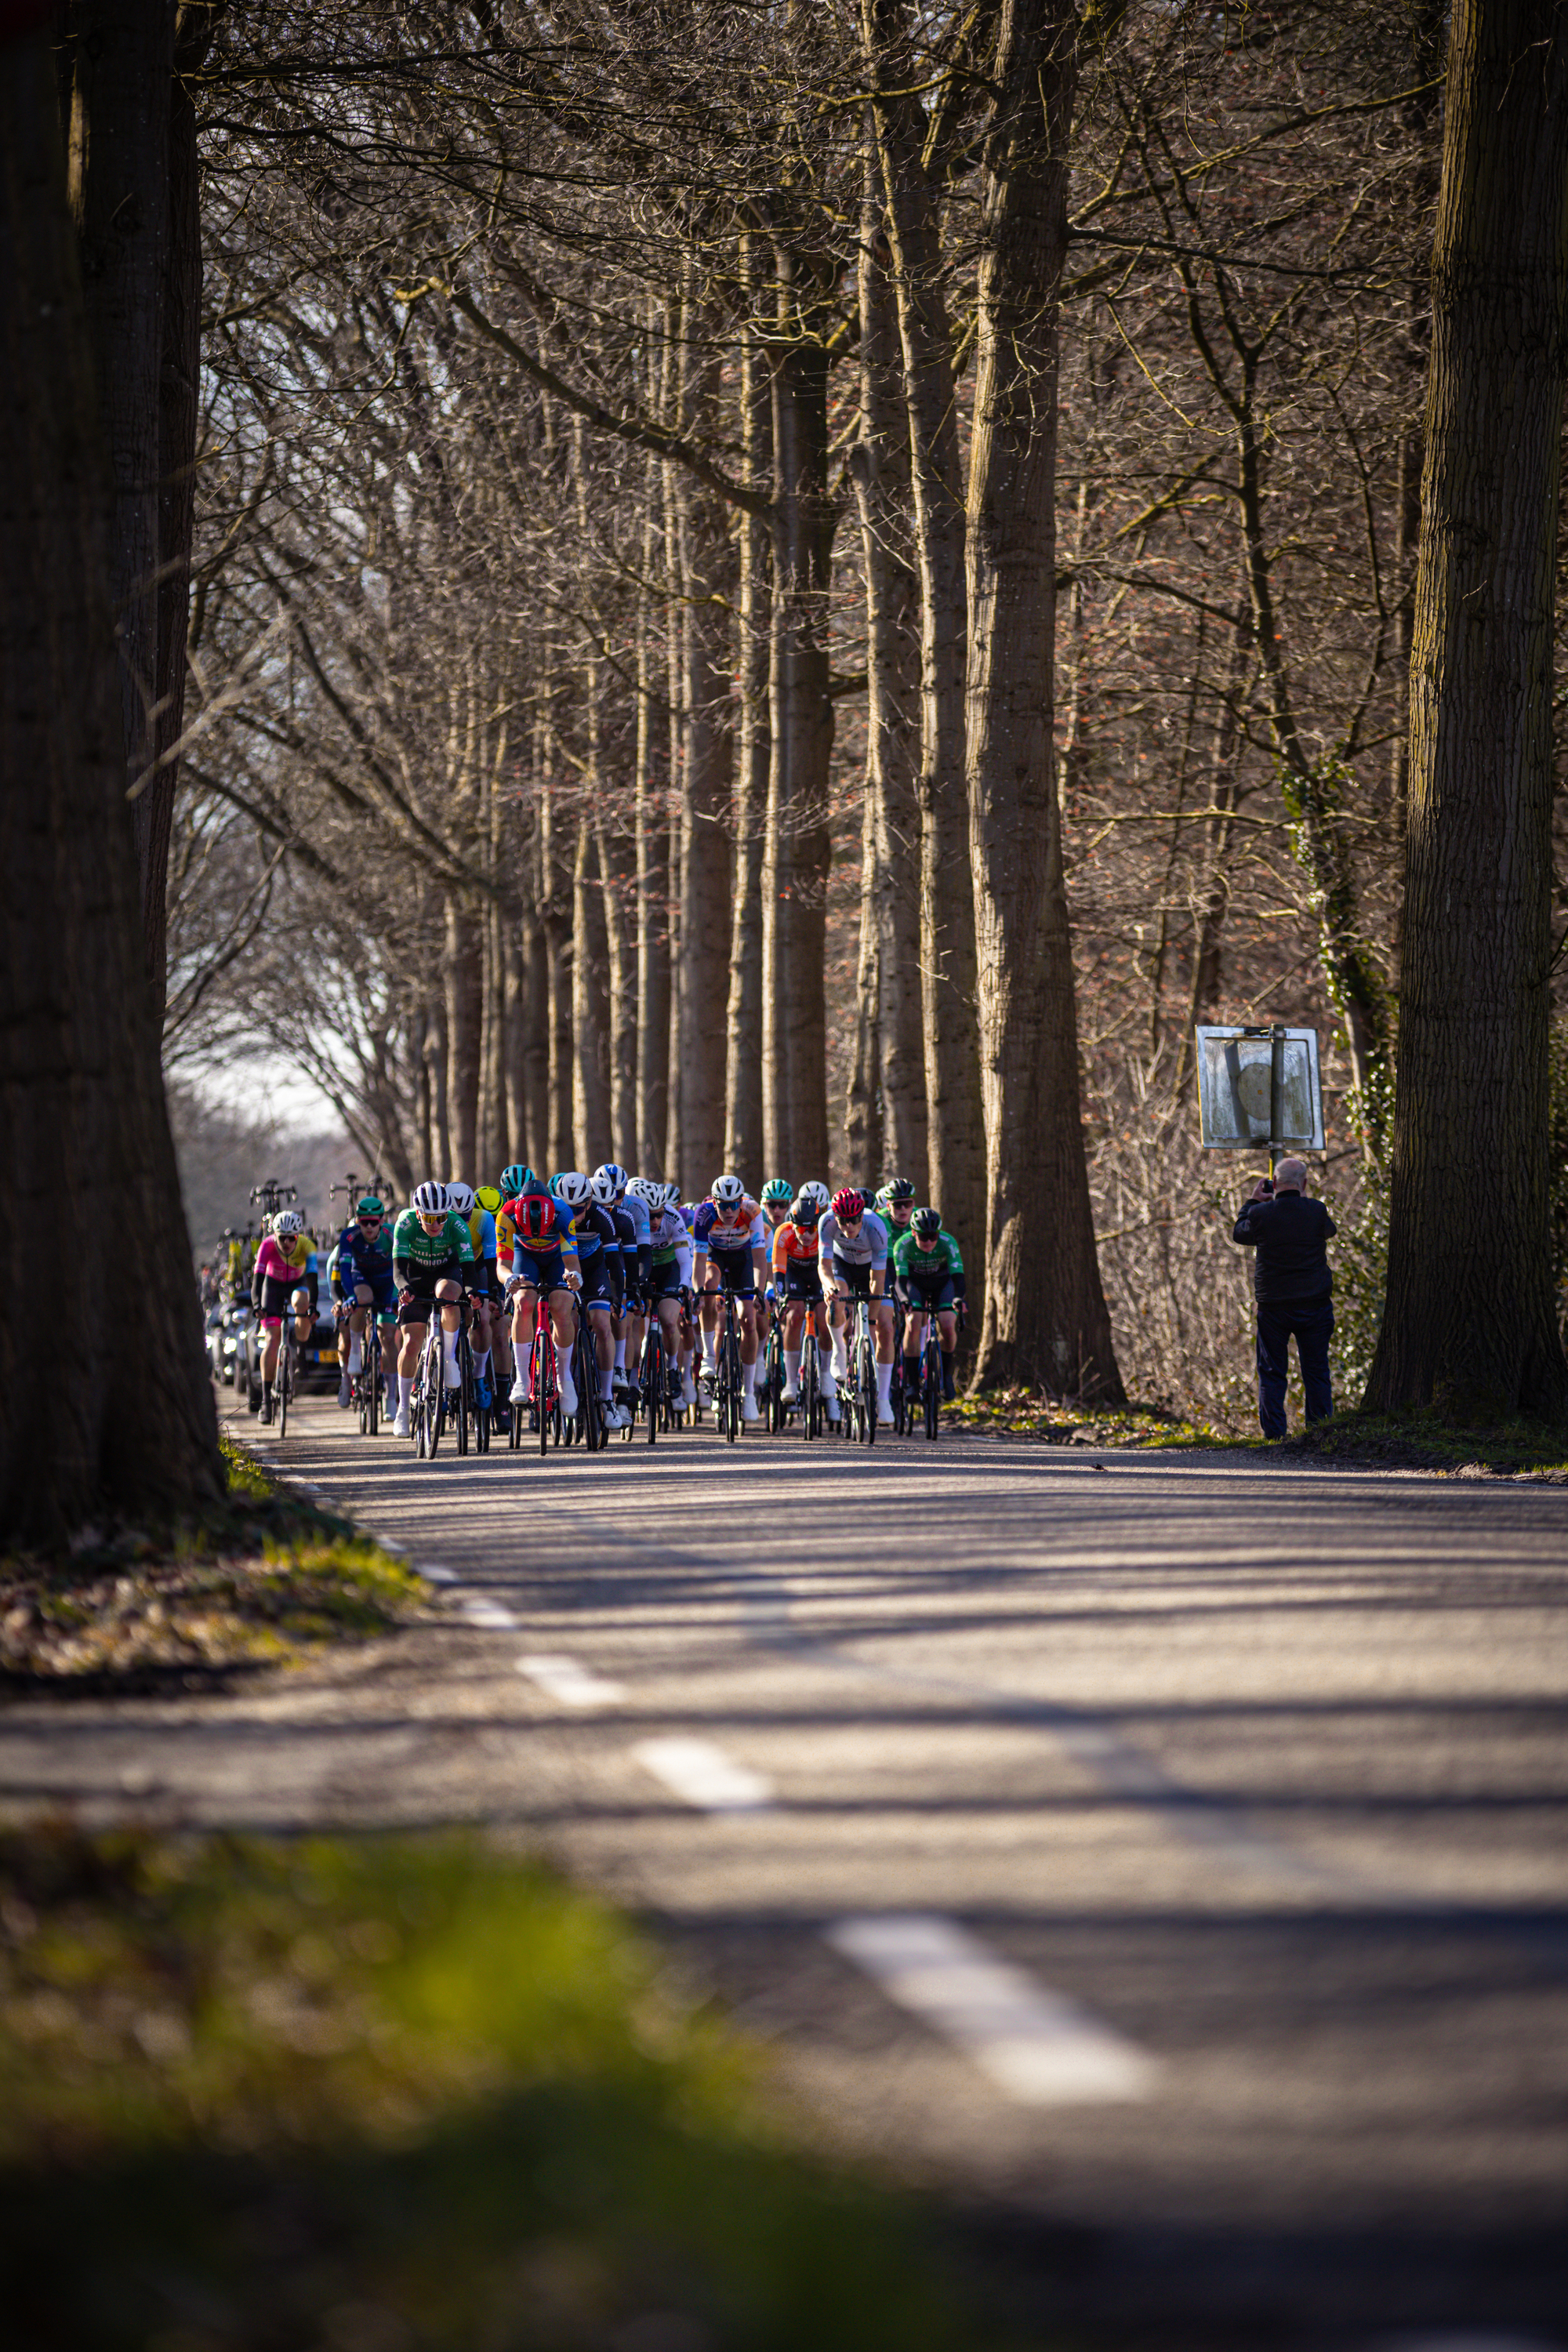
x: 1260, y: 1085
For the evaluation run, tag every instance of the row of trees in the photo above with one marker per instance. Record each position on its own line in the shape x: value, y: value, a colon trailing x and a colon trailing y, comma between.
x: 750, y: 558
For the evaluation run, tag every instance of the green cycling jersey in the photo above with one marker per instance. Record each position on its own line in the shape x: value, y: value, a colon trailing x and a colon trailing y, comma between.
x: 413, y: 1246
x: 942, y: 1258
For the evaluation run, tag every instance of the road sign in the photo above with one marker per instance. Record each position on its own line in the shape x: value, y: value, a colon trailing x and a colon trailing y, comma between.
x: 1259, y: 1087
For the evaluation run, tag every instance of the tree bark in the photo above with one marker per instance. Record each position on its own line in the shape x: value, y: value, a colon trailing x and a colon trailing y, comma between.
x: 1046, y: 1316
x: 590, y: 1003
x: 465, y: 1016
x: 653, y: 913
x: 863, y: 1099
x: 795, y: 891
x: 1469, y: 1323
x: 743, y: 1131
x: 130, y: 1427
x: 120, y: 195
x: 620, y: 953
x: 890, y: 864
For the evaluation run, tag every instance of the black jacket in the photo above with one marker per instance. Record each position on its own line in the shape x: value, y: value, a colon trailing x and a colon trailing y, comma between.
x: 1291, y: 1235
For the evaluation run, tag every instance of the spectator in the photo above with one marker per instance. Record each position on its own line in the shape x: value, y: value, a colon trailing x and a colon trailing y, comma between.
x: 1294, y: 1290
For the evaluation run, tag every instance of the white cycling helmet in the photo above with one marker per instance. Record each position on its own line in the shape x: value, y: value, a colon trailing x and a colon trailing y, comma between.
x: 460, y: 1199
x: 815, y: 1193
x: 727, y: 1192
x: 573, y: 1187
x: 645, y: 1189
x: 430, y: 1200
x: 615, y: 1178
x: 670, y: 1196
x: 287, y: 1223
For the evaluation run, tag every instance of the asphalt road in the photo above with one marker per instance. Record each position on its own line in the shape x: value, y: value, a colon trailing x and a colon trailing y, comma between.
x: 1167, y: 1859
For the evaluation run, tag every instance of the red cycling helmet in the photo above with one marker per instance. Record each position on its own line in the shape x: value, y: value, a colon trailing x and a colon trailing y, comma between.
x: 847, y: 1205
x: 535, y: 1219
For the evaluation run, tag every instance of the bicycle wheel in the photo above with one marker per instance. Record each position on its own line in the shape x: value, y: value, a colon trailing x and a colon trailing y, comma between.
x: 866, y: 1379
x: 459, y: 1396
x: 931, y: 1387
x: 480, y: 1417
x: 541, y: 1362
x: 653, y: 1380
x: 808, y: 1379
x: 284, y: 1380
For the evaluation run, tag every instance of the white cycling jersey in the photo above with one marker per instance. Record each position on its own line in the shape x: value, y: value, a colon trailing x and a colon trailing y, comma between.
x: 868, y: 1247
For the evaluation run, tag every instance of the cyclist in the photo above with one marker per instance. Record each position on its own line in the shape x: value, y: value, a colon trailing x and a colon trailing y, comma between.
x: 489, y: 1197
x: 431, y: 1252
x: 930, y: 1272
x: 539, y: 1263
x: 479, y: 1280
x: 593, y: 1230
x: 728, y: 1231
x: 895, y: 1204
x: 628, y: 1274
x: 670, y: 1272
x: 797, y: 1283
x: 852, y: 1247
x: 286, y: 1273
x: 362, y: 1282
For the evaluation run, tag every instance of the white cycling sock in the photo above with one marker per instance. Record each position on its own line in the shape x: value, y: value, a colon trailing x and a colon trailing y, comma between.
x: 620, y: 1355
x: 606, y: 1385
x: 825, y: 1358
x: 749, y: 1378
x: 840, y: 1355
x: 482, y: 1366
x: 355, y: 1356
x: 885, y: 1383
x: 404, y: 1390
x: 791, y: 1368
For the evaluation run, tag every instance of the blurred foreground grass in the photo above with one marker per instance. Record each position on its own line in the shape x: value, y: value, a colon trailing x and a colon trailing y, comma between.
x: 267, y: 1579
x: 379, y: 2095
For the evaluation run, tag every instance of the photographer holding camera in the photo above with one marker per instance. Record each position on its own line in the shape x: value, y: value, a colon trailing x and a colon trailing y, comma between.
x: 1294, y: 1290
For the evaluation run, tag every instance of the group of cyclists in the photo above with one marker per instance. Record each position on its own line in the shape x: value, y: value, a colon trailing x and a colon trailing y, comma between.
x: 604, y: 1260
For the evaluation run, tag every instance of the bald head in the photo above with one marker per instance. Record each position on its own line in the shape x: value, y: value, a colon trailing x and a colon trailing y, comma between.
x: 1290, y: 1176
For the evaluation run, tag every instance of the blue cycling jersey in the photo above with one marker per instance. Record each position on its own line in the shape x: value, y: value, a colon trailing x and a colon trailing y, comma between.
x: 360, y: 1259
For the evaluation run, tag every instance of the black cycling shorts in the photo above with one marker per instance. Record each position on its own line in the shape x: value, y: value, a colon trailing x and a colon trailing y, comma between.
x: 800, y: 1281
x: 857, y: 1278
x: 421, y: 1281
x: 928, y: 1294
x: 596, y: 1290
x: 277, y: 1298
x: 736, y: 1271
x: 664, y: 1281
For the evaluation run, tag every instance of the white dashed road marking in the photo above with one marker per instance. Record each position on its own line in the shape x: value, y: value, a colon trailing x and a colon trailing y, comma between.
x: 493, y: 1615
x: 1040, y: 2048
x: 564, y: 1680
x: 703, y: 1776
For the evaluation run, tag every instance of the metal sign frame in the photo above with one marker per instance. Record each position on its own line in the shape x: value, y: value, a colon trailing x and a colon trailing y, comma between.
x: 1289, y: 1116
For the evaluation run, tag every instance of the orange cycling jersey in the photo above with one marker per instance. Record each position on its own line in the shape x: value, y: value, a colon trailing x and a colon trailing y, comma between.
x: 798, y: 1242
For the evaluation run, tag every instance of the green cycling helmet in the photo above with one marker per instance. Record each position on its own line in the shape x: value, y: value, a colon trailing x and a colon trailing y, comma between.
x: 778, y: 1188
x: 369, y: 1207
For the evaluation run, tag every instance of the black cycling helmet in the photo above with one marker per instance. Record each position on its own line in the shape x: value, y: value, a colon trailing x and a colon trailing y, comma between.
x: 927, y: 1223
x: 897, y: 1189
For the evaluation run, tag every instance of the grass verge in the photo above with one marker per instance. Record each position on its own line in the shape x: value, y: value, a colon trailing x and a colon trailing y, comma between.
x: 271, y: 1579
x: 384, y: 2093
x: 1420, y: 1441
x: 1028, y: 1412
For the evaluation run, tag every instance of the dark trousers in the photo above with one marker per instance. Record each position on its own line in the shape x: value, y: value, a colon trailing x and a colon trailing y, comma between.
x: 1312, y: 1321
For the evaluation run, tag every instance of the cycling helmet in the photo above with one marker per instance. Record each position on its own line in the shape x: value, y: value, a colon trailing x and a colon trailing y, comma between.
x: 430, y: 1200
x: 515, y: 1180
x: 896, y: 1191
x: 926, y: 1224
x: 487, y: 1197
x: 645, y: 1189
x: 778, y: 1191
x: 538, y: 1220
x: 615, y: 1178
x: 287, y: 1223
x: 669, y: 1196
x: 727, y: 1192
x: 573, y: 1187
x: 604, y: 1188
x: 848, y: 1205
x: 460, y: 1199
x: 369, y: 1207
x: 815, y: 1193
x: 804, y: 1208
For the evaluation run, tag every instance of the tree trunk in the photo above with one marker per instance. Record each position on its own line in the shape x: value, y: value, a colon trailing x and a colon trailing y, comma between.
x: 590, y: 1004
x: 947, y: 962
x: 123, y: 61
x: 794, y: 908
x: 1469, y: 1324
x: 879, y: 466
x: 863, y: 1099
x: 127, y: 1427
x: 1046, y: 1317
x: 743, y: 1132
x: 620, y: 969
x: 534, y: 1143
x: 555, y: 908
x: 465, y: 1016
